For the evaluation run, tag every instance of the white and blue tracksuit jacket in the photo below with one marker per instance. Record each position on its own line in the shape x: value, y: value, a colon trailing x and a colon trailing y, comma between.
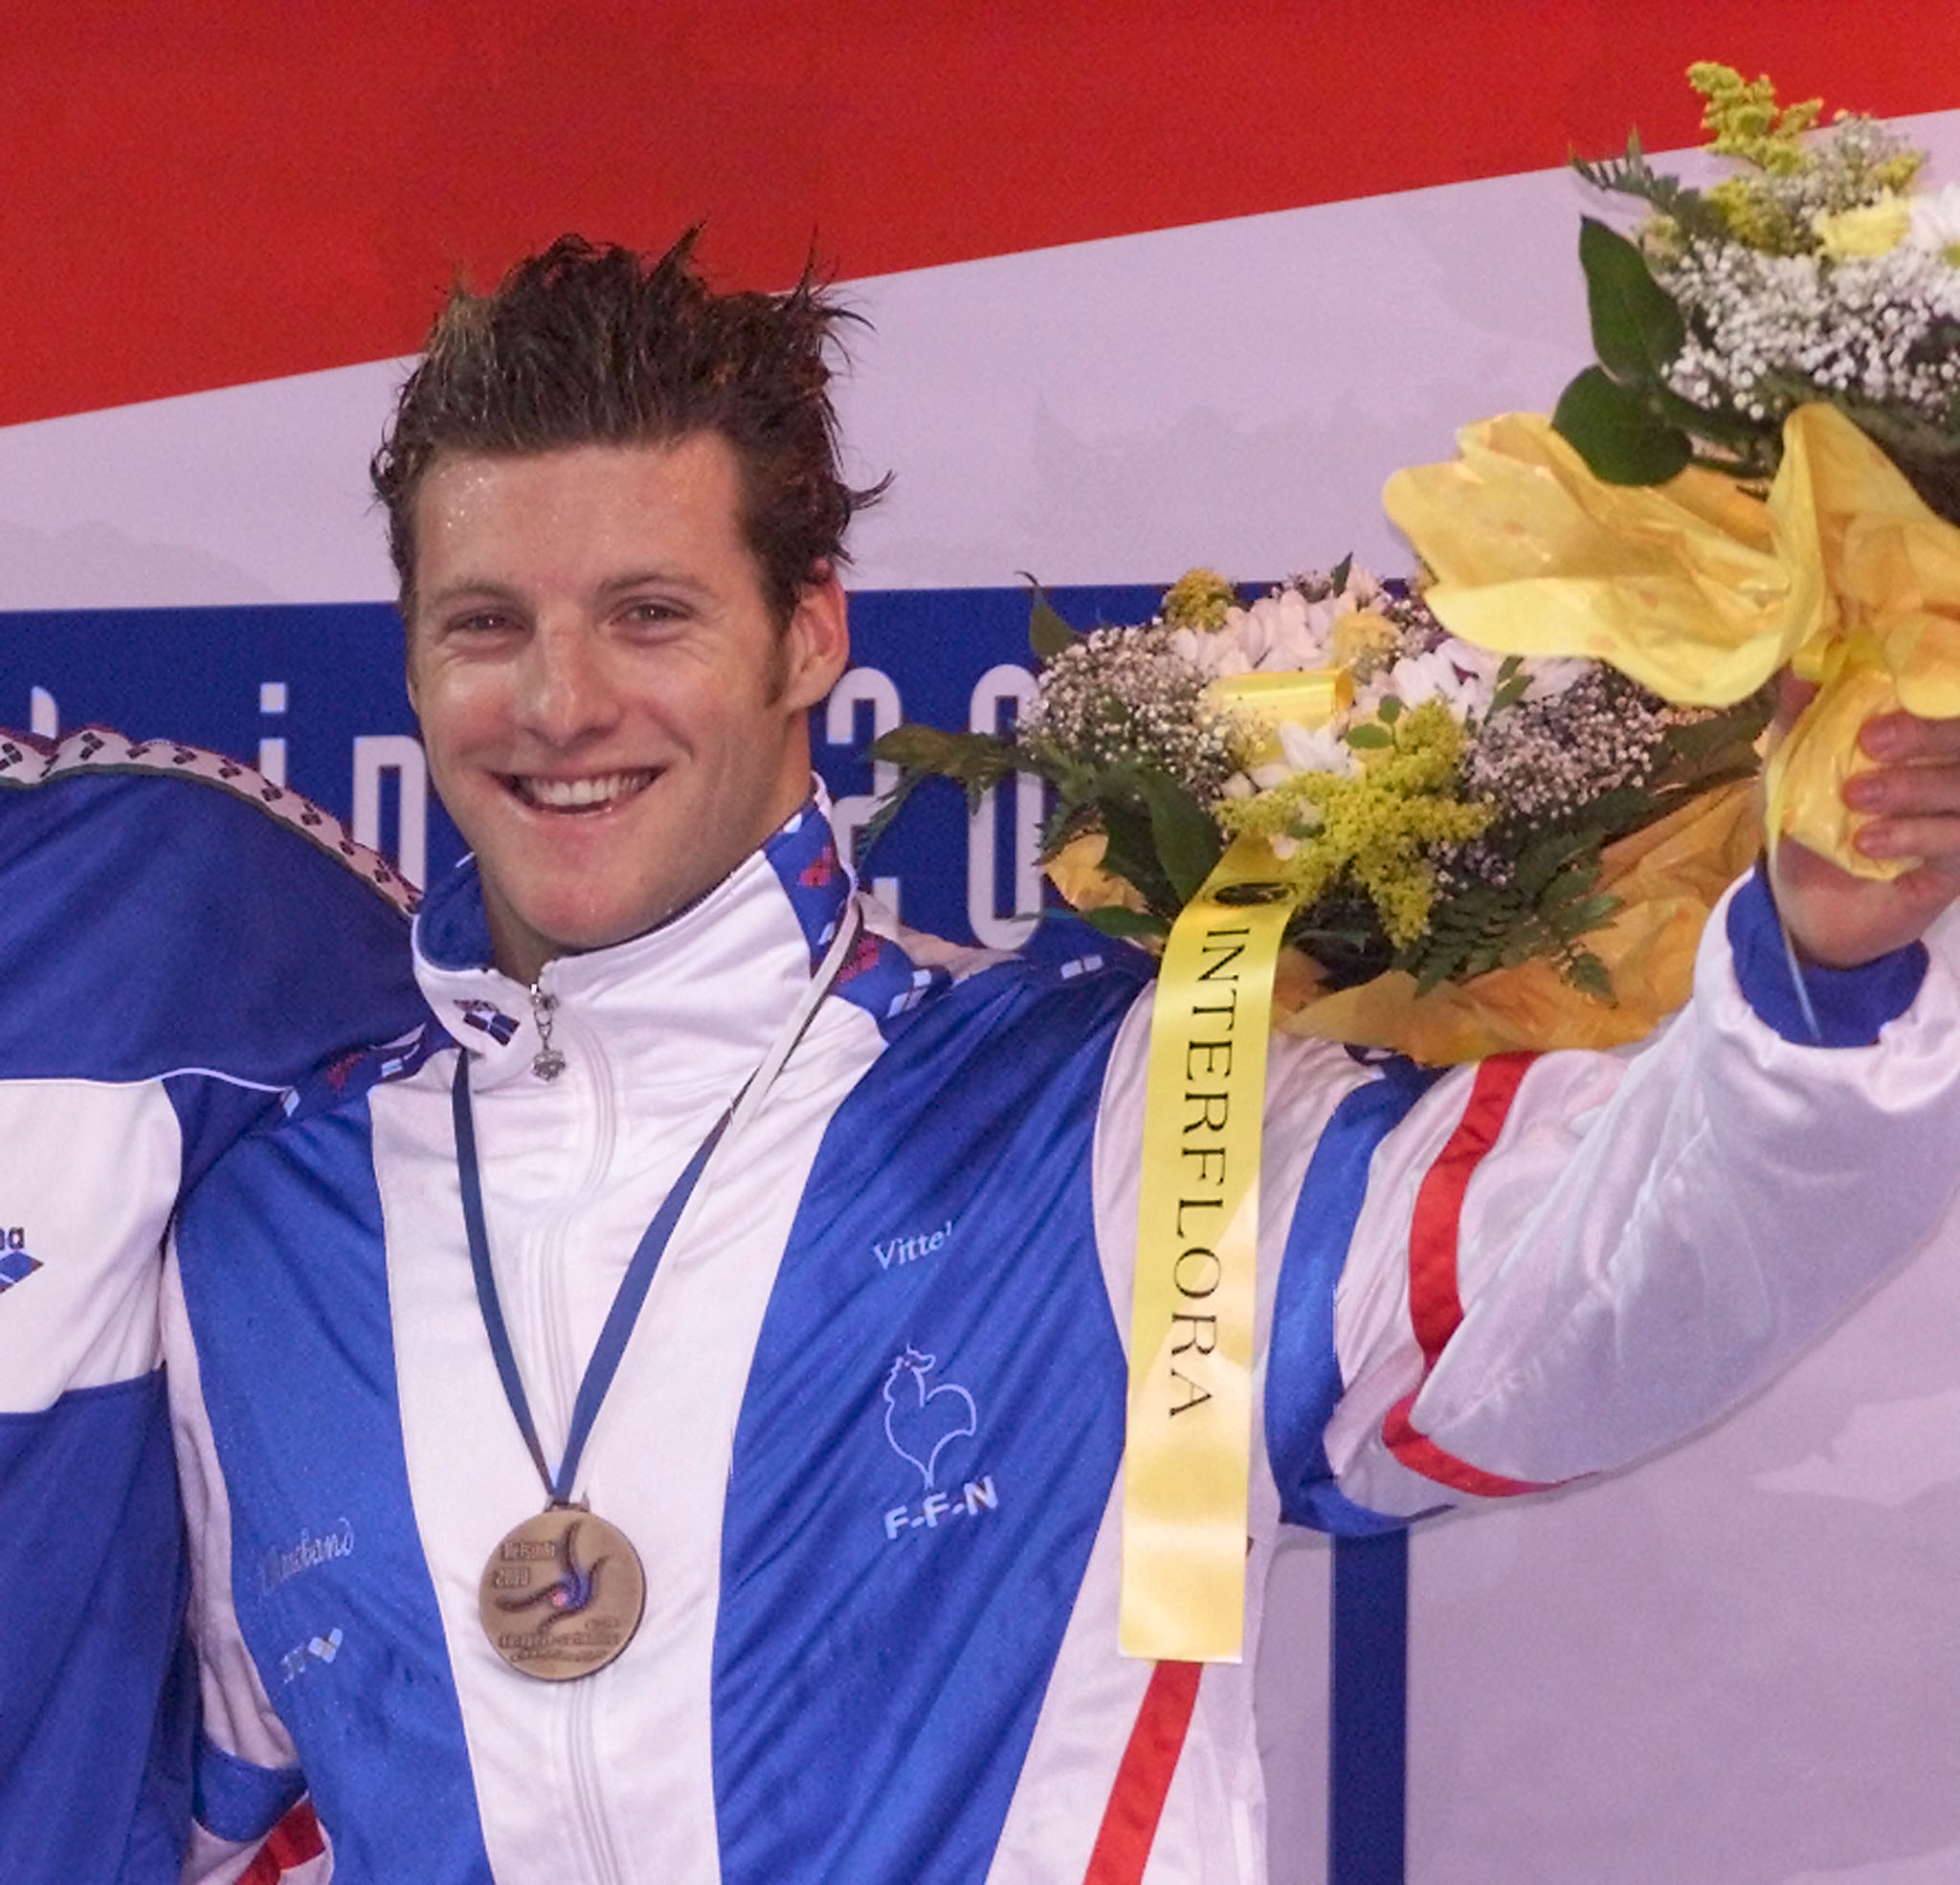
x: 866, y: 1434
x: 180, y: 941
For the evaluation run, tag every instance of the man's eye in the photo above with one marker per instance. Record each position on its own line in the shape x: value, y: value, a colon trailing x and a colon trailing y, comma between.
x: 652, y: 612
x: 482, y: 622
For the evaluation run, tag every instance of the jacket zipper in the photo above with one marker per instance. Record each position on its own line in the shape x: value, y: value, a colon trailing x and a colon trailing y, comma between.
x: 591, y: 1095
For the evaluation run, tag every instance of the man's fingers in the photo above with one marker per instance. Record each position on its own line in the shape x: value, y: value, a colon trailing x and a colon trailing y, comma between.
x: 1936, y: 838
x: 1925, y: 790
x: 1906, y: 740
x: 1793, y: 697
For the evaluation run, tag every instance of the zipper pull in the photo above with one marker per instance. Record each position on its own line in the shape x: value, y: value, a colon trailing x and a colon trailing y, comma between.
x: 547, y: 1063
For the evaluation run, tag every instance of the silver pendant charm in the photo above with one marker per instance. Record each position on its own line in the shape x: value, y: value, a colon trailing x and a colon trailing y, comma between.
x: 547, y: 1063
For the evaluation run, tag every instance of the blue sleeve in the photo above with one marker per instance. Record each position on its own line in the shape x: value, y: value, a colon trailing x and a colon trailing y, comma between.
x: 1849, y: 1005
x: 1302, y: 1371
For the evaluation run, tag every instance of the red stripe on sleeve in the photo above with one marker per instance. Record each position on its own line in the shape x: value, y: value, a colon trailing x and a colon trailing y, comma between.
x: 289, y: 1845
x: 1436, y: 1308
x: 1143, y: 1778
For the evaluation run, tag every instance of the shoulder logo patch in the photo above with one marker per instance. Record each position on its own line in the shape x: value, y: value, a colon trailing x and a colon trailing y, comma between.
x: 487, y: 1018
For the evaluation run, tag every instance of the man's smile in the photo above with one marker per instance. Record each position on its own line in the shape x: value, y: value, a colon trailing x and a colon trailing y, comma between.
x: 598, y: 793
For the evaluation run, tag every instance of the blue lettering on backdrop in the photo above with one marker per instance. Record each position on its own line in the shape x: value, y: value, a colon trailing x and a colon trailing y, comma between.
x: 312, y: 695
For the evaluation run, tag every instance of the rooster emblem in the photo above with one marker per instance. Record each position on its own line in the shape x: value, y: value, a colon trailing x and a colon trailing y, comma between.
x: 919, y: 1421
x: 570, y: 1591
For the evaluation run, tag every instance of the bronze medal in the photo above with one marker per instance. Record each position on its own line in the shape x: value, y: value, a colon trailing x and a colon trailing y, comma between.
x: 562, y: 1594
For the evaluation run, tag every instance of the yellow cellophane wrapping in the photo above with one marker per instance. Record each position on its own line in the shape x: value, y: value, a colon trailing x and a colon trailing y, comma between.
x: 1700, y: 591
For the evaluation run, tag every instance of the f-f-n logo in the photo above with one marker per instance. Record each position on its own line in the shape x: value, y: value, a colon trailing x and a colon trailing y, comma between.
x: 920, y: 1422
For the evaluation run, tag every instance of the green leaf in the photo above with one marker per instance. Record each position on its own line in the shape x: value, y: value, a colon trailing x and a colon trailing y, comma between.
x: 1129, y: 853
x: 1588, y: 913
x: 1389, y: 711
x: 1544, y: 857
x: 1048, y: 635
x: 949, y: 755
x: 1337, y: 577
x: 1513, y: 683
x: 1370, y: 735
x: 1590, y: 976
x: 883, y: 814
x: 1187, y: 843
x: 1637, y: 327
x: 1113, y: 920
x: 1618, y: 432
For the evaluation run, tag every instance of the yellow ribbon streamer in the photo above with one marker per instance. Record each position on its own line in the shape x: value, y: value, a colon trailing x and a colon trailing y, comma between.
x: 1188, y: 1459
x: 1700, y: 592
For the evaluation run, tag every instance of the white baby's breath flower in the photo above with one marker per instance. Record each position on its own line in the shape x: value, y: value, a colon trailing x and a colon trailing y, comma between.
x: 1768, y: 332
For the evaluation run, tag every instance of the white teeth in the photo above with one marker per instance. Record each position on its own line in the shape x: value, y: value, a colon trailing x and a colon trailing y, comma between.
x: 569, y: 794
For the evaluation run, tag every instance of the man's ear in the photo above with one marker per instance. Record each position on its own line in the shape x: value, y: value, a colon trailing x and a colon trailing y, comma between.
x: 816, y: 641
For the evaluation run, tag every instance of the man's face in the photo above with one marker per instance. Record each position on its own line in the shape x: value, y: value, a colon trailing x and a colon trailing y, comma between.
x: 612, y: 716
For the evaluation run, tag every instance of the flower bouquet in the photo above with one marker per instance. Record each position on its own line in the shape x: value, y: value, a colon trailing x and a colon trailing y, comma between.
x: 1762, y: 468
x: 1480, y: 851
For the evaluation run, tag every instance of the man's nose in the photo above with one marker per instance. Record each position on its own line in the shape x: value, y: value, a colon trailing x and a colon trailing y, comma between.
x: 563, y: 694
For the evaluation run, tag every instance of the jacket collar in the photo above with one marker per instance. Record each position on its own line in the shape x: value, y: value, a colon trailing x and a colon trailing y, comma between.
x: 709, y: 987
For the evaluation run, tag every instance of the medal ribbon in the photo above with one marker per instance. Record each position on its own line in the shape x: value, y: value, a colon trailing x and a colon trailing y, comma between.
x: 627, y: 1299
x: 631, y: 1292
x: 1188, y: 1454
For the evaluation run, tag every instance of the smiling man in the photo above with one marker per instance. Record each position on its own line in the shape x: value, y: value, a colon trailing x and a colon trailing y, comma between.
x: 680, y: 1535
x: 612, y: 710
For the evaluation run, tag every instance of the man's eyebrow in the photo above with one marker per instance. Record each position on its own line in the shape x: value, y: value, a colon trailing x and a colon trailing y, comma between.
x: 653, y: 577
x: 472, y: 588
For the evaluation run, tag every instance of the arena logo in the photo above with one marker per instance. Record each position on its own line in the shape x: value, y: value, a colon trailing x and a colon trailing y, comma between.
x: 16, y: 1266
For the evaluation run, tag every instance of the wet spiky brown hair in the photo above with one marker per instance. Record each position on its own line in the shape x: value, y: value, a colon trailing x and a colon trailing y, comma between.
x: 584, y: 345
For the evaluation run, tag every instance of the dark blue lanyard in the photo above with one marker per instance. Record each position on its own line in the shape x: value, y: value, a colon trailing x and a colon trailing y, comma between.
x: 619, y: 1318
